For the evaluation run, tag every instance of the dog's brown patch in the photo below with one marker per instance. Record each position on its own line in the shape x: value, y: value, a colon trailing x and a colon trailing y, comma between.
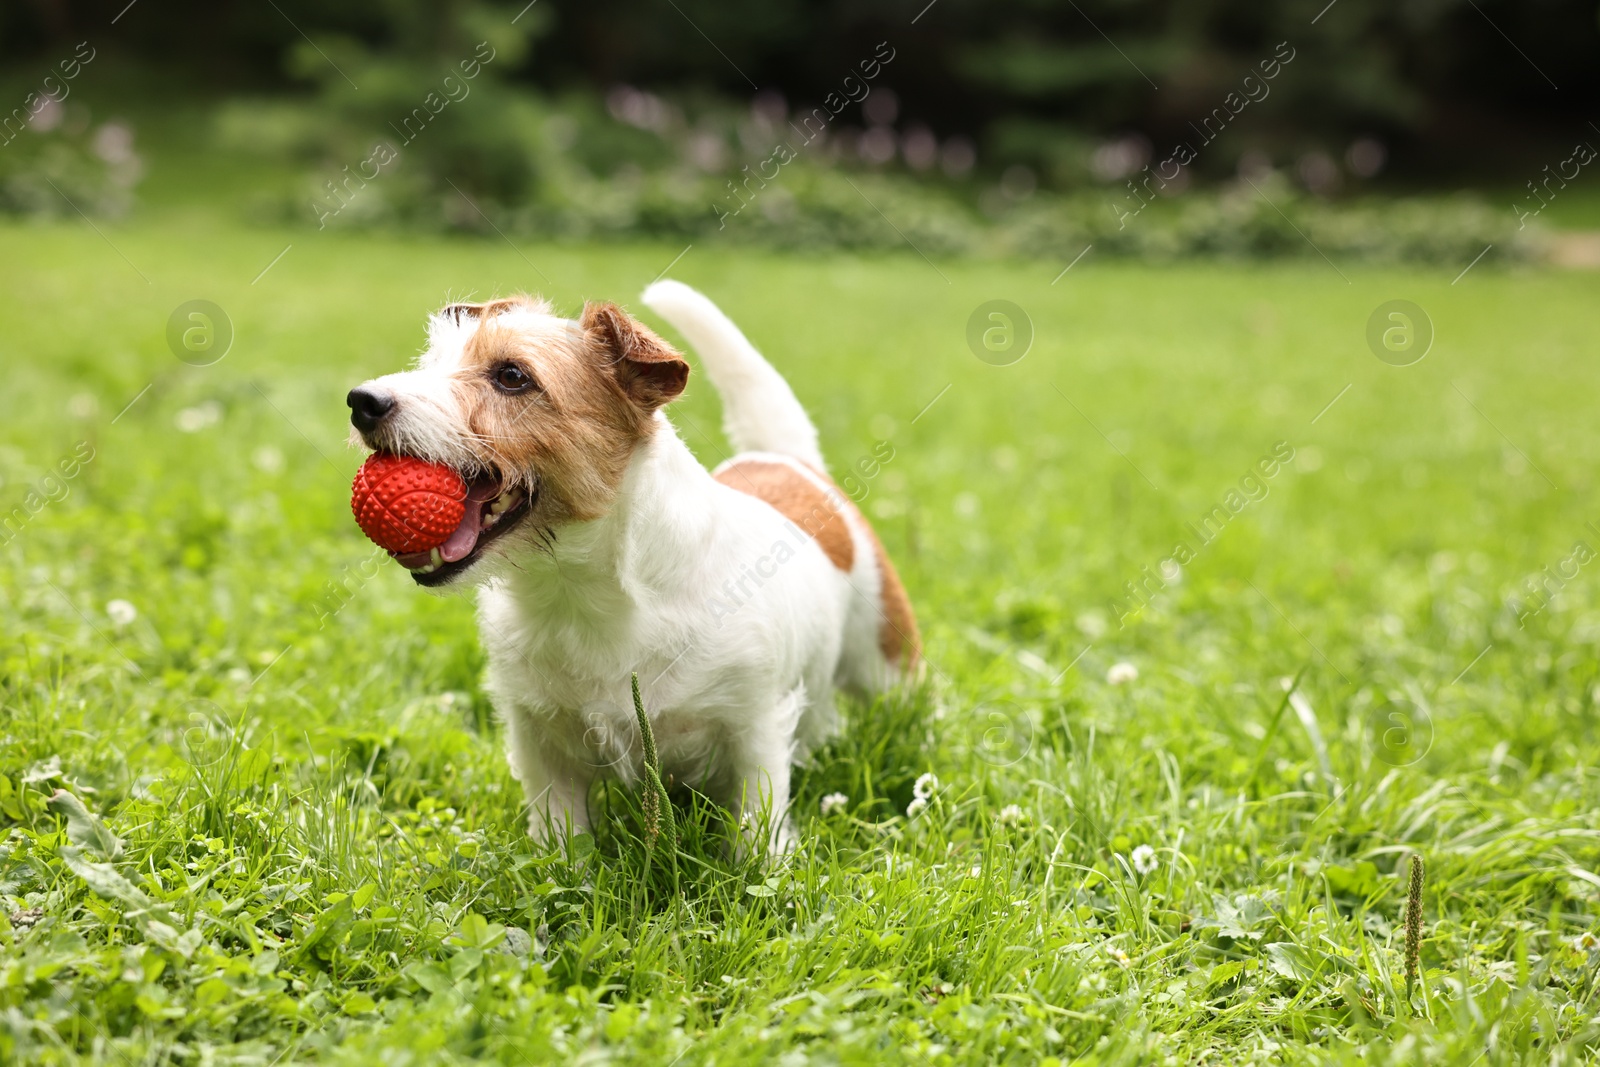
x: 595, y: 392
x: 798, y: 499
x: 822, y: 515
x: 898, y: 638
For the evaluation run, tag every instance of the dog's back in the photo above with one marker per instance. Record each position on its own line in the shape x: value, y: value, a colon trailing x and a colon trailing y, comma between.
x: 779, y: 462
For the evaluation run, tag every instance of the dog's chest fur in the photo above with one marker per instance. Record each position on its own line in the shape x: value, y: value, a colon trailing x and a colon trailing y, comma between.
x: 567, y: 681
x: 565, y: 631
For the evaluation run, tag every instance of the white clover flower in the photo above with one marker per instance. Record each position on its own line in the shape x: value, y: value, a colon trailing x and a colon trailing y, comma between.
x: 121, y: 612
x: 1122, y: 673
x: 834, y: 802
x: 916, y: 807
x: 1144, y: 860
x: 268, y: 459
x: 1011, y: 815
x: 193, y: 420
x: 926, y: 785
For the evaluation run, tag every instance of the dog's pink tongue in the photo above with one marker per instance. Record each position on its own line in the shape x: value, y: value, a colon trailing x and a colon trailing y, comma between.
x: 465, y: 536
x: 460, y: 542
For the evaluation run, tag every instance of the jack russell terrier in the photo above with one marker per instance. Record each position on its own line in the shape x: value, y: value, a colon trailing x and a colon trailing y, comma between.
x: 599, y: 546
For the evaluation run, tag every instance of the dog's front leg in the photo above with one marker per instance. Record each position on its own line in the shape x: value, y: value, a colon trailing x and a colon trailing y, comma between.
x: 556, y: 787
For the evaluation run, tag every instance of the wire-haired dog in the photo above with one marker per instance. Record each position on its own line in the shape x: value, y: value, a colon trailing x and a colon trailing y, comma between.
x: 742, y: 597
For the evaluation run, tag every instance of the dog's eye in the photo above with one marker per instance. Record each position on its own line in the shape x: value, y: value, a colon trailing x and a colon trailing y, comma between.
x: 510, y: 378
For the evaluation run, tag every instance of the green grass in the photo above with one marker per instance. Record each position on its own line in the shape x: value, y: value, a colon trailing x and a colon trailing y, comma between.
x: 321, y: 852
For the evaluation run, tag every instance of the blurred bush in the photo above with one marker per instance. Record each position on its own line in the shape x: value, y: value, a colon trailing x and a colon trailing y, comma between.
x: 643, y: 167
x: 60, y: 164
x: 439, y: 137
x: 1431, y: 79
x: 448, y: 131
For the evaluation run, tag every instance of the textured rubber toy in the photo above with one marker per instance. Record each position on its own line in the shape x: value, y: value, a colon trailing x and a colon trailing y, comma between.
x: 405, y: 504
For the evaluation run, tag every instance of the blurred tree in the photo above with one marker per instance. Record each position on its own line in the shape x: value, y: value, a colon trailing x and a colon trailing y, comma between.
x: 1437, y: 80
x: 405, y: 90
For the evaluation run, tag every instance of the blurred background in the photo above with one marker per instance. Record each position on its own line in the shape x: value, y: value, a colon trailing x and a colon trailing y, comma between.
x: 1418, y: 131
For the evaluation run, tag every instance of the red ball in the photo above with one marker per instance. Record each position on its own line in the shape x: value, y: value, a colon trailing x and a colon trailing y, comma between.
x: 406, y: 504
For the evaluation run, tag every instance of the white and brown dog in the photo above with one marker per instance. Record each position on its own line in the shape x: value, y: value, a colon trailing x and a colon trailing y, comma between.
x: 600, y: 547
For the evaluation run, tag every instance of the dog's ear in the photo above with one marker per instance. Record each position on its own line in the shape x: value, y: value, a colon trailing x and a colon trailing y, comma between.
x: 648, y: 369
x: 456, y: 312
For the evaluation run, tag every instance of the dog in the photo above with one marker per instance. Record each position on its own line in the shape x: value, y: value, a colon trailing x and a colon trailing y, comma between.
x: 742, y: 597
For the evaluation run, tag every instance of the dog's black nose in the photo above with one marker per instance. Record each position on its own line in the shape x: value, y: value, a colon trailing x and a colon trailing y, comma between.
x: 368, y: 407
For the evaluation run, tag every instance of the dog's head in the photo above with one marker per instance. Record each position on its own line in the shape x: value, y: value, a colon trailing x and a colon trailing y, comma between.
x: 539, y: 415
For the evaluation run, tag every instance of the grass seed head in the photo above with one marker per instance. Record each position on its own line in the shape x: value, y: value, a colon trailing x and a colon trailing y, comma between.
x: 1414, y: 921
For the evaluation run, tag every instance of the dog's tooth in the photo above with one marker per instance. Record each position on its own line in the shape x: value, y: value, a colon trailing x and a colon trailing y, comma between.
x: 438, y: 560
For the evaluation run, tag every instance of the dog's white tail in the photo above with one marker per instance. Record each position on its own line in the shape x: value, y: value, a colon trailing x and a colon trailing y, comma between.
x: 760, y: 411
